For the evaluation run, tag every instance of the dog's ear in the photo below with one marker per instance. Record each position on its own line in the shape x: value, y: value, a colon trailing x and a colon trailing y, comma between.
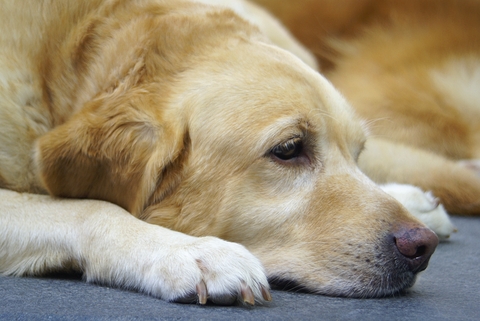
x: 114, y: 149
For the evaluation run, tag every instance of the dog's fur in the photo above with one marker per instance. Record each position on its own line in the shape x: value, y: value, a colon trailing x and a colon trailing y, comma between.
x: 189, y: 119
x: 412, y: 69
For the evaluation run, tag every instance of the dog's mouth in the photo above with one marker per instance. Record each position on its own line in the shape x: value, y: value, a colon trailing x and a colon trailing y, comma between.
x: 387, y: 268
x: 283, y: 284
x: 379, y: 287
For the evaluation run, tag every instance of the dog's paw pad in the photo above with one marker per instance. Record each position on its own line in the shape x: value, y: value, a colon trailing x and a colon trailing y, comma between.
x: 423, y: 205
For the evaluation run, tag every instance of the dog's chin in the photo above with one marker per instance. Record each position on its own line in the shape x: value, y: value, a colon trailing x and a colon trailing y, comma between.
x: 380, y: 287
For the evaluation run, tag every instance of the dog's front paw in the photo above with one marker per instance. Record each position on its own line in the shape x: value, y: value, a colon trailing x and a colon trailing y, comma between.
x: 424, y: 206
x: 221, y: 271
x: 177, y: 267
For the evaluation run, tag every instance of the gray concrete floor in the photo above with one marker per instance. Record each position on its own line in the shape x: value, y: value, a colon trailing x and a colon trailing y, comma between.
x: 448, y: 290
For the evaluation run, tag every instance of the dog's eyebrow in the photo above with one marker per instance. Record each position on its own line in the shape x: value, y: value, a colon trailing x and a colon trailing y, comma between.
x: 282, y: 129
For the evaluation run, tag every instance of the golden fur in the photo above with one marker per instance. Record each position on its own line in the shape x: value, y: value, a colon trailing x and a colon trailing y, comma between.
x: 411, y: 68
x: 188, y: 117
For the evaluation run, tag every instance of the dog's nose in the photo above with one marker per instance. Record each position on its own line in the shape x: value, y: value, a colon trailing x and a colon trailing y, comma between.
x: 416, y: 245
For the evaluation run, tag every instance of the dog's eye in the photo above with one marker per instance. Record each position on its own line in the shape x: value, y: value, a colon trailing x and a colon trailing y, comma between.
x: 288, y: 150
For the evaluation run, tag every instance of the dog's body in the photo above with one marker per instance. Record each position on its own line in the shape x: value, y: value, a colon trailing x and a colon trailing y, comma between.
x: 186, y: 116
x: 412, y: 69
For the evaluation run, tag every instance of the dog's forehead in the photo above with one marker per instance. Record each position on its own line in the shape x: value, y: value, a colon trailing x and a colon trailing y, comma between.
x: 265, y: 94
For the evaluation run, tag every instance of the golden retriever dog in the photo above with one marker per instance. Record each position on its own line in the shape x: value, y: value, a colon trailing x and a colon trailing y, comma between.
x: 173, y: 147
x: 411, y: 68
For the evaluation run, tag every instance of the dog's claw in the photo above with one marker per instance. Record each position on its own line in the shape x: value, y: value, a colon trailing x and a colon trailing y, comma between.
x: 202, y: 293
x: 247, y: 295
x: 266, y: 294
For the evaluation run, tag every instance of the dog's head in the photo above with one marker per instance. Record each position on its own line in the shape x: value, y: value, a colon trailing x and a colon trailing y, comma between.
x: 248, y: 144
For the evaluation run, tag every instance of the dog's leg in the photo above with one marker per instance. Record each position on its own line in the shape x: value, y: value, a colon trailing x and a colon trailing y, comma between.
x: 40, y: 234
x: 457, y: 187
x: 424, y: 206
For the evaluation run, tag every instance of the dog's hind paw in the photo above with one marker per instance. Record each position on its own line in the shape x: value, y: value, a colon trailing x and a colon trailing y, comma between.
x: 423, y: 205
